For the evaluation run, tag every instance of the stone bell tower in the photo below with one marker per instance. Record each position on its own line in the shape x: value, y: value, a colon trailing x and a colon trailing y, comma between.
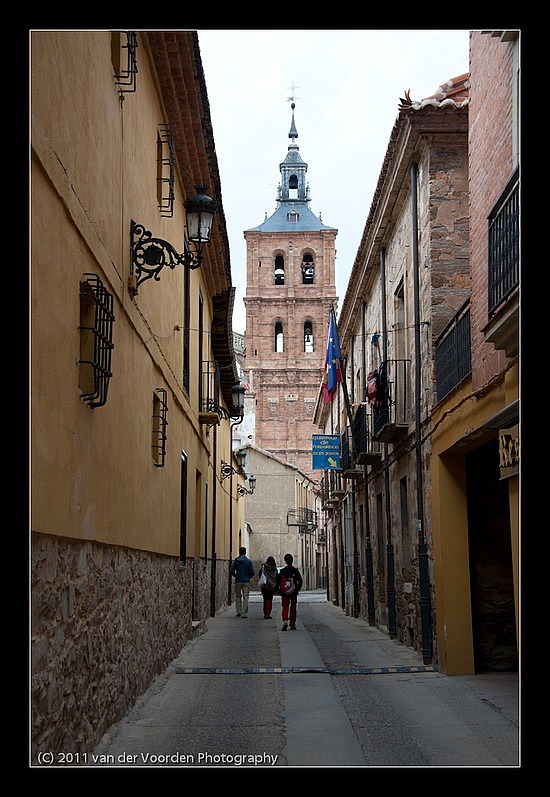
x: 290, y: 287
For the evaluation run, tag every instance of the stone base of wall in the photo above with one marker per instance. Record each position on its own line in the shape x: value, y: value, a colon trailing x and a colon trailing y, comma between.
x: 105, y: 621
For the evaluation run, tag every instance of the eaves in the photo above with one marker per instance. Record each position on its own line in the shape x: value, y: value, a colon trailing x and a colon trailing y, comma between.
x: 177, y: 66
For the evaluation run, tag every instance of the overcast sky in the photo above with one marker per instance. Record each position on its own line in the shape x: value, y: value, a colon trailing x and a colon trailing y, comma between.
x: 347, y: 85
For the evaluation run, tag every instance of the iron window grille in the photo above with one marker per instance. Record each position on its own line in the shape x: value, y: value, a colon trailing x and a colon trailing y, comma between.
x: 125, y: 75
x: 453, y: 352
x: 503, y: 245
x: 160, y: 411
x: 96, y: 343
x: 165, y: 171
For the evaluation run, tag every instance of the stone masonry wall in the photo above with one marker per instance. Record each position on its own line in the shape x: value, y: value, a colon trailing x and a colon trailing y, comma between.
x: 106, y: 621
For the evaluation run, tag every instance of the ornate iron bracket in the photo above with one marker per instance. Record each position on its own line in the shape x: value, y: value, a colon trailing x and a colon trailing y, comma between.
x: 227, y: 470
x: 150, y: 255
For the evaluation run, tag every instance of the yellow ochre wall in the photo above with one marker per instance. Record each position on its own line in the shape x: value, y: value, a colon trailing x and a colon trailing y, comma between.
x: 457, y: 428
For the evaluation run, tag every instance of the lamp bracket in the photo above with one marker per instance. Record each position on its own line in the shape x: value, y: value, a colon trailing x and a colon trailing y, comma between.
x: 150, y: 255
x: 227, y: 470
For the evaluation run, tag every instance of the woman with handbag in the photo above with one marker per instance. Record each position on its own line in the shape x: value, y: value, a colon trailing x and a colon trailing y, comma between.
x: 267, y: 582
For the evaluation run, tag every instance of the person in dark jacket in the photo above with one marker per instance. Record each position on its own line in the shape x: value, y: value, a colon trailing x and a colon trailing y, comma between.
x: 289, y: 600
x: 269, y: 570
x: 242, y: 569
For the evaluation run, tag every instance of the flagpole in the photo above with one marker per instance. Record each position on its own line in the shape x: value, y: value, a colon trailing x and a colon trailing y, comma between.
x: 345, y: 389
x: 354, y: 450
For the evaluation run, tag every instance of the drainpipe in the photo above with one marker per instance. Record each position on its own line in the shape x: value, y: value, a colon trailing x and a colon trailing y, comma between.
x: 368, y: 546
x: 214, y: 498
x: 229, y: 581
x: 355, y: 557
x: 356, y: 602
x: 392, y: 629
x: 425, y: 612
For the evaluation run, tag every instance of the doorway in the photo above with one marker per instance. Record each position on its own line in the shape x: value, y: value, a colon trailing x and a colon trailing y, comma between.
x: 490, y: 553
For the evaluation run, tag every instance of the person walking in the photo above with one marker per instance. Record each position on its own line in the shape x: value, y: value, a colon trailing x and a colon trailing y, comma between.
x: 268, y: 571
x: 242, y: 569
x: 289, y: 584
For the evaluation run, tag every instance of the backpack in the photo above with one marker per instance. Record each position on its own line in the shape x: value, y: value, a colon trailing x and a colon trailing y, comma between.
x: 287, y: 585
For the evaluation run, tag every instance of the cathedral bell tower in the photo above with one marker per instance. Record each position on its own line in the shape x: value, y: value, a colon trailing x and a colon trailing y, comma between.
x: 290, y: 287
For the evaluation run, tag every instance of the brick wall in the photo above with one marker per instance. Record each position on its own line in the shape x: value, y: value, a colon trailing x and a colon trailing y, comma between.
x: 490, y: 167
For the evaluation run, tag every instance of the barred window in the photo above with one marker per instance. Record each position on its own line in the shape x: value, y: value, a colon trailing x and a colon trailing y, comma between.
x: 160, y: 411
x: 165, y: 171
x: 96, y: 343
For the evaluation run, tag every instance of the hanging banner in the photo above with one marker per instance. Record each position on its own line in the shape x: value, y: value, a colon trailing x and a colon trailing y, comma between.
x: 326, y: 451
x: 508, y: 447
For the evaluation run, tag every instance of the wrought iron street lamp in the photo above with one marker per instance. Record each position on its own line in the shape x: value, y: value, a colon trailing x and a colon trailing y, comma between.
x: 150, y: 255
x: 252, y: 482
x: 237, y: 394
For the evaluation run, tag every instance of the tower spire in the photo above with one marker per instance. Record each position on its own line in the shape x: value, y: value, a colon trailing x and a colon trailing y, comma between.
x: 293, y: 134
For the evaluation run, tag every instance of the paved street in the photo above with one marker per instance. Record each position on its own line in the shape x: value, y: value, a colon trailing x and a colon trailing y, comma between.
x: 334, y: 693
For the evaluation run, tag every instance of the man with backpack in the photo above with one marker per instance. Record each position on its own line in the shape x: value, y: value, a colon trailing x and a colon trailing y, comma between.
x: 289, y: 584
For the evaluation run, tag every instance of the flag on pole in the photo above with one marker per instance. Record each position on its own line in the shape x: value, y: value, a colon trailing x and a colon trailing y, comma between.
x: 333, y: 371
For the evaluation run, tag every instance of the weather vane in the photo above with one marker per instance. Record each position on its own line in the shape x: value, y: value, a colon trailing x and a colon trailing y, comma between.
x: 292, y: 89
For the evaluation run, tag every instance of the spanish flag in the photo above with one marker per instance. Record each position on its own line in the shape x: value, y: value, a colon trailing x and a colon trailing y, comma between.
x: 333, y: 371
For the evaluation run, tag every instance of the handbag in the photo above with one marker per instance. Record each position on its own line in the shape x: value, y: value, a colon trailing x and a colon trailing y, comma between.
x: 263, y: 580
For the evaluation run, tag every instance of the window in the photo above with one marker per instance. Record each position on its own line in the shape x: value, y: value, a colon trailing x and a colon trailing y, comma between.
x: 96, y: 345
x: 308, y: 336
x: 160, y: 411
x: 279, y: 270
x: 292, y: 216
x: 279, y: 340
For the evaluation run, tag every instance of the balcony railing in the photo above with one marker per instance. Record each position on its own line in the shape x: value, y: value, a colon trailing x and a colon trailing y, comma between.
x: 453, y: 352
x: 209, y: 399
x: 388, y: 396
x: 348, y: 462
x: 332, y: 489
x: 504, y: 245
x: 305, y: 519
x: 368, y: 451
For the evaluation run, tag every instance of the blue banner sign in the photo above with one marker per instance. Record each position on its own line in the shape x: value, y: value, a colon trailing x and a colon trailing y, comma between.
x: 326, y: 451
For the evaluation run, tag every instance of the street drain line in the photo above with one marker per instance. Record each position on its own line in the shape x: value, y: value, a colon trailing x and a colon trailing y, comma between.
x: 287, y: 670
